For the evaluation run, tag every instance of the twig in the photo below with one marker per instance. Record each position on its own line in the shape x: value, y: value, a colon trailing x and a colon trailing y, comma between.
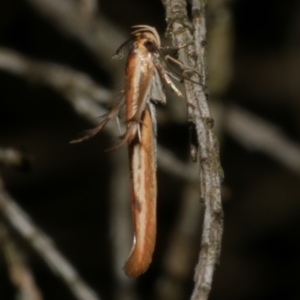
x: 19, y: 271
x: 210, y: 179
x: 22, y: 223
x: 257, y: 134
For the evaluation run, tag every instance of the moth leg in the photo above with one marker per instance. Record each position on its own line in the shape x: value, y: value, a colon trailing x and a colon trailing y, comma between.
x: 113, y: 113
x: 174, y: 48
x: 185, y: 69
x: 174, y: 76
x: 167, y: 79
x: 165, y: 75
x: 171, y: 84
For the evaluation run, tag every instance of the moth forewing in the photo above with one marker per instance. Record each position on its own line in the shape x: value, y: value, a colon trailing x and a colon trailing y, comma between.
x: 141, y: 145
x: 139, y: 70
x: 143, y: 187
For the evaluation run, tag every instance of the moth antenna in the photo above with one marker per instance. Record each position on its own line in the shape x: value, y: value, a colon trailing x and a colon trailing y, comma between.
x: 142, y: 26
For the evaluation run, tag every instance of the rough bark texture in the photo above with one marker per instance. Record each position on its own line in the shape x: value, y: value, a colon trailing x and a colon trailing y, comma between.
x: 184, y: 32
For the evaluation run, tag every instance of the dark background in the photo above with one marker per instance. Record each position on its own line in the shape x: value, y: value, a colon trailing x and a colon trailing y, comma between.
x: 66, y: 190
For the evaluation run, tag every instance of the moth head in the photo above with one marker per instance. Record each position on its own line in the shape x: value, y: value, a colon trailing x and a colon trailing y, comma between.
x: 149, y: 35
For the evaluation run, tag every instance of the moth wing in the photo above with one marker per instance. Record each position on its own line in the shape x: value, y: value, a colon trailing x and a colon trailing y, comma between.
x: 156, y: 93
x: 104, y: 119
x: 153, y: 117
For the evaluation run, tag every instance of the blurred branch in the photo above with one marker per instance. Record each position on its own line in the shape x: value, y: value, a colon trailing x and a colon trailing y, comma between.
x: 220, y: 47
x: 180, y: 256
x: 22, y: 223
x: 64, y: 80
x: 19, y: 272
x: 193, y: 56
x: 14, y: 158
x: 120, y: 224
x: 88, y: 8
x: 257, y: 134
x: 169, y: 163
x: 100, y: 36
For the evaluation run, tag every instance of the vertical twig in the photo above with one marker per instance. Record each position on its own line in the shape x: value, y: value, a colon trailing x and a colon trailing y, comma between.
x: 193, y: 56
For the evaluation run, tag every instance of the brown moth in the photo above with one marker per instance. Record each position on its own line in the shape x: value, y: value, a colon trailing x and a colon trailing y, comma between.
x: 144, y: 74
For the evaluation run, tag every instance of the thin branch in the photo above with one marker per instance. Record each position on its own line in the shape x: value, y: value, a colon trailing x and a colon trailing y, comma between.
x: 22, y: 223
x: 210, y: 180
x: 19, y: 271
x: 257, y: 134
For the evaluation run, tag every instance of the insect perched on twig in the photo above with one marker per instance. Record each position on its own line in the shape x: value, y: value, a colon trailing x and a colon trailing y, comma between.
x: 143, y: 87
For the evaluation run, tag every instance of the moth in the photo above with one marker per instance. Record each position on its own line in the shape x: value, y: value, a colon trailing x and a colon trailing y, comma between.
x: 144, y: 77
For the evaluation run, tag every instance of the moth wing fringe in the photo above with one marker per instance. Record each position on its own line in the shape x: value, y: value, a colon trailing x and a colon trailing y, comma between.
x: 87, y: 134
